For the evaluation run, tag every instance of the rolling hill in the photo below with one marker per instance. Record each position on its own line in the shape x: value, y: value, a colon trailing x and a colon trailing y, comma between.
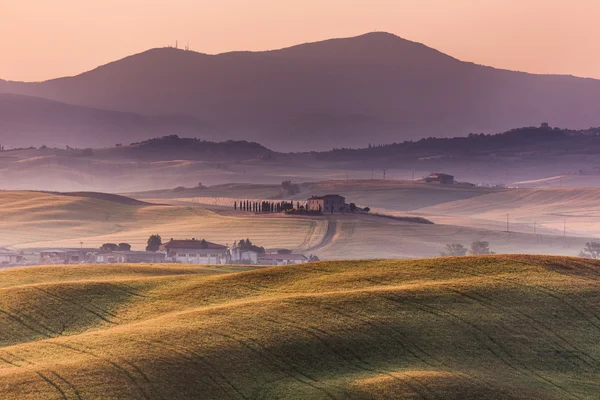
x: 511, y: 327
x: 336, y: 93
x: 33, y: 220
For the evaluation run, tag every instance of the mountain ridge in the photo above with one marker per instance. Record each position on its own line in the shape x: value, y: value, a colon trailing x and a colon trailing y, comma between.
x: 400, y: 89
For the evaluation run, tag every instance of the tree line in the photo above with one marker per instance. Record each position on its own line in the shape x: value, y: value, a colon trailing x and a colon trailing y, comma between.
x: 478, y: 247
x: 264, y: 206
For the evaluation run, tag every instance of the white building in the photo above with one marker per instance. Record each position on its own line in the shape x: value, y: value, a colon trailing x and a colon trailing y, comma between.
x: 238, y: 255
x: 282, y: 259
x: 130, y: 257
x: 196, y: 252
x: 9, y: 257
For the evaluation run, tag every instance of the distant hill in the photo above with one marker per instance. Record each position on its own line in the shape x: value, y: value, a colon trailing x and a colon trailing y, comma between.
x: 533, y: 143
x: 32, y: 121
x: 337, y: 93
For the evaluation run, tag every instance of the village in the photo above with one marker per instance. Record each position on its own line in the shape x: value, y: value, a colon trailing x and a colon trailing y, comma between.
x: 200, y: 250
x: 189, y: 251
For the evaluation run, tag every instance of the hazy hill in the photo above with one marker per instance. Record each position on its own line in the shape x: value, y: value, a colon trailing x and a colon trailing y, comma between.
x: 34, y: 121
x: 501, y: 327
x: 342, y: 92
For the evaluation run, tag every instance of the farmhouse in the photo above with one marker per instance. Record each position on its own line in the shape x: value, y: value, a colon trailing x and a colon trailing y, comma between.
x: 282, y: 259
x: 330, y: 203
x: 438, y: 177
x: 131, y: 257
x: 196, y: 252
x: 67, y: 256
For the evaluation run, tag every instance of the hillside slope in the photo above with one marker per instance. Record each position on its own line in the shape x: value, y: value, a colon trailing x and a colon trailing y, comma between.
x: 329, y: 94
x: 33, y: 220
x: 460, y: 328
x: 560, y: 209
x: 31, y: 121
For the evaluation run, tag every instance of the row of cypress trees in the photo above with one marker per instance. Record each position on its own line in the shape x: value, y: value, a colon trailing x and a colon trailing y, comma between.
x: 264, y: 206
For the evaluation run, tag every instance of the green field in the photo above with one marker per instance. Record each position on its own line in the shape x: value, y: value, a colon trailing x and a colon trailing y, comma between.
x: 457, y: 328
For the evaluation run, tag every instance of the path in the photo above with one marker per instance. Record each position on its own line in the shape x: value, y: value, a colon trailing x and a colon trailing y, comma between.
x: 328, y: 237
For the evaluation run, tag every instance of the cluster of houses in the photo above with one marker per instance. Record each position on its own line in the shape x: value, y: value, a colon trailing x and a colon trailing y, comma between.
x: 188, y: 251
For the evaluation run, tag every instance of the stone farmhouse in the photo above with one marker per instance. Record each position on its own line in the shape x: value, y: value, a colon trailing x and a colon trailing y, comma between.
x: 438, y: 177
x: 330, y: 203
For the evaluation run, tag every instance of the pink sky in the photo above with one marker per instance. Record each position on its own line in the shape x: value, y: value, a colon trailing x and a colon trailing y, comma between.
x: 42, y: 39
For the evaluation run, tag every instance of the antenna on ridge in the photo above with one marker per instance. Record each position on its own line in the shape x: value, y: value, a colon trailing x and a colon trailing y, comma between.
x: 176, y: 44
x: 187, y: 46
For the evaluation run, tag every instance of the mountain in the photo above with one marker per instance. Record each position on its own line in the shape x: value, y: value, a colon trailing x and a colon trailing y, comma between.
x: 336, y: 93
x: 32, y: 121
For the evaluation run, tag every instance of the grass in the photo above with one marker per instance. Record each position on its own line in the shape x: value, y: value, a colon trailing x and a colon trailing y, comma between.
x: 455, y: 328
x: 36, y: 220
x: 548, y: 208
x: 31, y: 219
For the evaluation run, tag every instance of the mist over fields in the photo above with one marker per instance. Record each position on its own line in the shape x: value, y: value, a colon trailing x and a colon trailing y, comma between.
x: 363, y: 218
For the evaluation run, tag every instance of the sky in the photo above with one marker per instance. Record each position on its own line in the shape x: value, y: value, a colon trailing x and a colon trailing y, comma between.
x: 42, y: 39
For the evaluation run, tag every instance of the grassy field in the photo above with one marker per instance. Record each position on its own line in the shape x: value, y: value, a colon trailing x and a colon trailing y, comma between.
x: 372, y: 237
x: 32, y: 219
x: 396, y: 195
x: 458, y: 328
x: 552, y: 210
x: 42, y: 220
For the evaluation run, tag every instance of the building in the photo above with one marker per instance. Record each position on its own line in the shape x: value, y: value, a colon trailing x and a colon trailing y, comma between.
x: 282, y: 259
x: 330, y: 203
x: 196, y: 252
x: 437, y: 177
x: 9, y: 257
x: 67, y: 256
x: 237, y: 255
x: 130, y: 257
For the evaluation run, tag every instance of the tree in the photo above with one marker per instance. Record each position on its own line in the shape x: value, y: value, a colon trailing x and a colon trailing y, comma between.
x: 591, y: 250
x: 454, y: 250
x: 109, y: 247
x: 124, y: 247
x: 480, y: 248
x: 235, y: 205
x: 154, y: 243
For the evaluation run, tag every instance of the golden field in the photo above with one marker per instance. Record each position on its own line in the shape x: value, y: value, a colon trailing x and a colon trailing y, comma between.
x: 33, y: 220
x: 490, y: 327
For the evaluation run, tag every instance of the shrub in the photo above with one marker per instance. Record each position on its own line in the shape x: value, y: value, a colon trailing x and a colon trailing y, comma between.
x: 591, y: 250
x: 481, y: 248
x: 154, y: 243
x: 454, y: 250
